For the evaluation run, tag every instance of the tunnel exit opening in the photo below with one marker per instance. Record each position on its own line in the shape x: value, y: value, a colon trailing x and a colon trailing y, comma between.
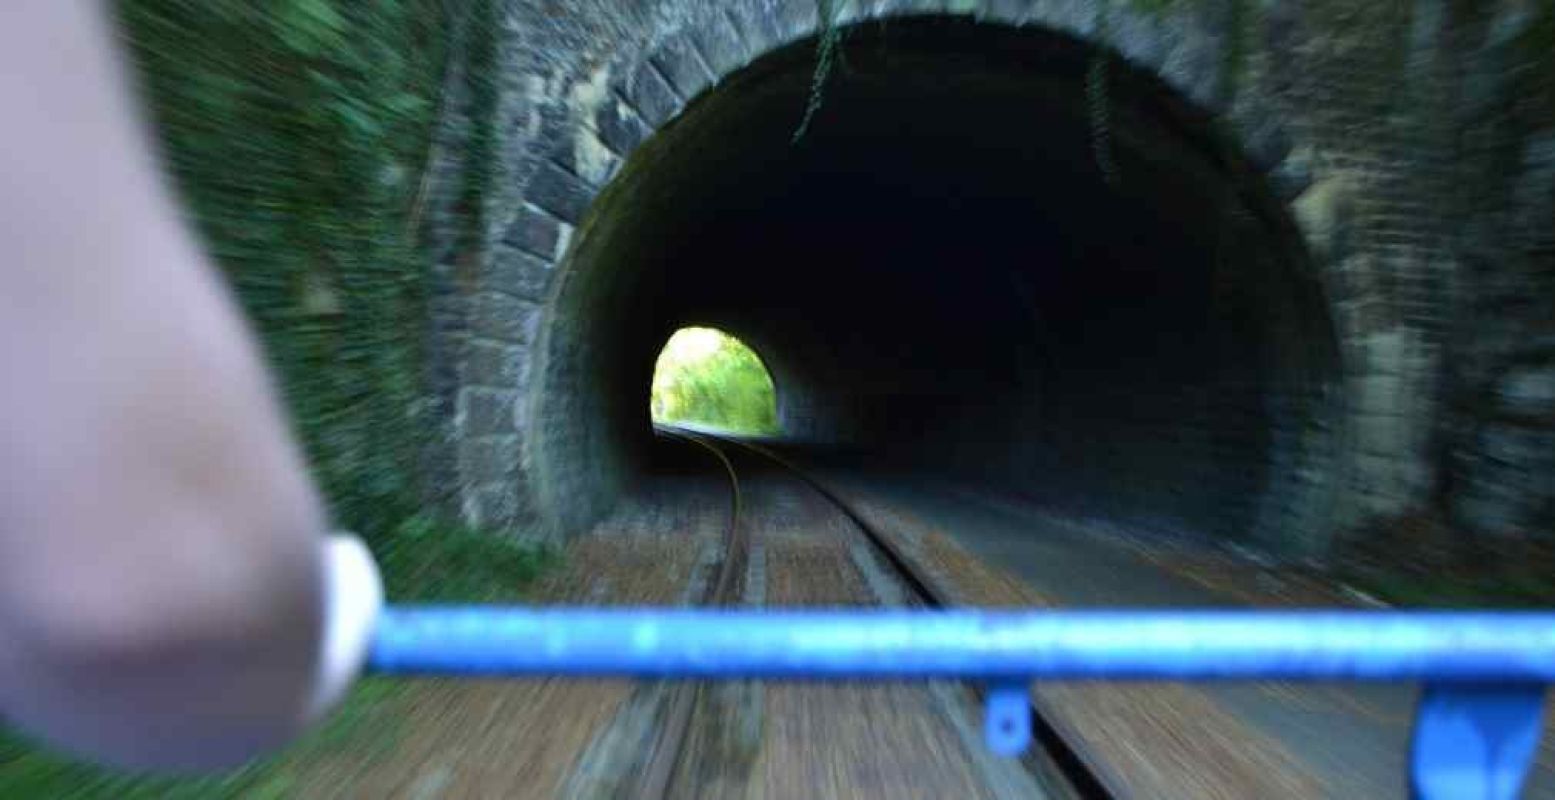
x: 706, y: 378
x: 943, y: 276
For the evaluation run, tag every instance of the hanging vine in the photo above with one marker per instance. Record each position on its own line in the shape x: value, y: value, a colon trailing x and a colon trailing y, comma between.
x: 1098, y: 102
x: 827, y: 52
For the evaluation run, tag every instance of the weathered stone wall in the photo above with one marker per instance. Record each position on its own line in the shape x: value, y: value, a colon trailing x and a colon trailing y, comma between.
x: 444, y: 226
x: 1409, y: 140
x: 1498, y: 437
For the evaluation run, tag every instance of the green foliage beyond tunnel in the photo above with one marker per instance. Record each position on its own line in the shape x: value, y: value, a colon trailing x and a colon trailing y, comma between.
x: 707, y: 377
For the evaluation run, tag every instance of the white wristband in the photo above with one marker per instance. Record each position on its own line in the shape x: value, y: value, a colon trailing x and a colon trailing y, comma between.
x: 353, y: 596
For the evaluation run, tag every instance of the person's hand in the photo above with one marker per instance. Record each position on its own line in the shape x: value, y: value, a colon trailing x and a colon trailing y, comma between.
x: 167, y: 597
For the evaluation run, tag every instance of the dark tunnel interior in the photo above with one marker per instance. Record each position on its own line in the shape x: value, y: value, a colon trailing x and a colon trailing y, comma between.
x: 978, y: 260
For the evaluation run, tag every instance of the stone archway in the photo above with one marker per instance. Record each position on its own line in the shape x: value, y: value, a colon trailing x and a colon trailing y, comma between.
x: 513, y: 467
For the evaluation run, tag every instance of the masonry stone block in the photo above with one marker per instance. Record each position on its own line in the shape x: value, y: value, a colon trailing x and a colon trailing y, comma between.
x: 1135, y: 35
x: 1378, y: 394
x: 559, y: 192
x: 1264, y: 140
x: 1488, y: 508
x: 723, y: 45
x: 536, y: 233
x: 677, y: 60
x: 517, y: 273
x: 856, y: 11
x: 1324, y: 213
x: 592, y: 159
x: 797, y: 18
x: 619, y: 126
x: 506, y: 318
x: 1529, y: 449
x: 489, y: 363
x: 1528, y: 391
x: 1508, y: 481
x: 651, y: 95
x: 1293, y: 176
x: 1383, y: 434
x: 488, y: 412
x: 885, y: 9
x: 756, y: 26
x: 1009, y: 12
x: 491, y: 460
x: 1076, y: 17
x: 495, y: 506
x: 1192, y: 63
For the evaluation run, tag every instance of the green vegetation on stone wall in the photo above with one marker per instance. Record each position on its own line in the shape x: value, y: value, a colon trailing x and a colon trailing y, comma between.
x: 705, y: 376
x: 482, y: 77
x: 296, y: 133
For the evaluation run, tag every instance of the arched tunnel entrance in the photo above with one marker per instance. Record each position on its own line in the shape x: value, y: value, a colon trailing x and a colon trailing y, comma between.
x: 988, y: 257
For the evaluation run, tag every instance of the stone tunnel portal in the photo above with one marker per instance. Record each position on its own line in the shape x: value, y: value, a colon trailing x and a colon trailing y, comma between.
x: 999, y: 254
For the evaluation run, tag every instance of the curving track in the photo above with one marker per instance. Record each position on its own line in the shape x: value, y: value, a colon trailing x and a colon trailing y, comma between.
x: 793, y: 542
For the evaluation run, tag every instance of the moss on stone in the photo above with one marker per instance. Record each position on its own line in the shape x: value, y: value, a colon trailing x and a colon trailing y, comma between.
x: 482, y: 74
x: 297, y: 133
x: 1233, y: 67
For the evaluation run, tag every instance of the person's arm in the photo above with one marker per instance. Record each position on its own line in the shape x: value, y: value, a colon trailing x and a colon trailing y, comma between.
x: 163, y: 572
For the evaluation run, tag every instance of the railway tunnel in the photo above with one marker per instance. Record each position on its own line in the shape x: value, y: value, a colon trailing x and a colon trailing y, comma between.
x: 993, y: 254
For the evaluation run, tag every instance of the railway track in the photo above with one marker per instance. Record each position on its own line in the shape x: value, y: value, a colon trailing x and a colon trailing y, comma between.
x: 684, y: 758
x: 666, y: 752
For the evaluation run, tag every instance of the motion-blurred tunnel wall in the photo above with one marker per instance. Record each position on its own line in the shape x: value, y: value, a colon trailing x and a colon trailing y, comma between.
x: 1113, y: 259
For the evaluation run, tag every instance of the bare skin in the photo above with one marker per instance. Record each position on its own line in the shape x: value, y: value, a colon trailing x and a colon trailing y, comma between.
x: 160, y: 571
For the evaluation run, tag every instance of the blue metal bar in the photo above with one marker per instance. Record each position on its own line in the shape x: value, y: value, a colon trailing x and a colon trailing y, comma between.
x: 1475, y: 740
x: 979, y: 645
x: 1475, y: 733
x: 1007, y: 722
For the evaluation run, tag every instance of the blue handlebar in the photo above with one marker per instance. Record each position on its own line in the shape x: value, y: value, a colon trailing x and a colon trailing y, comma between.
x: 1476, y: 728
x: 1112, y: 645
